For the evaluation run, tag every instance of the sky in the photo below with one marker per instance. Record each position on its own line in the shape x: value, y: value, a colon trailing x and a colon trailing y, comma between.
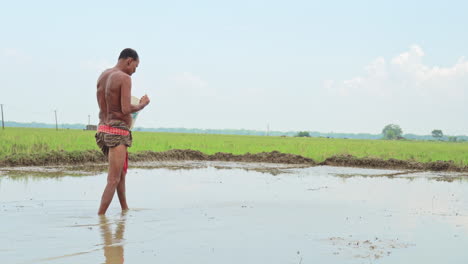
x: 327, y: 66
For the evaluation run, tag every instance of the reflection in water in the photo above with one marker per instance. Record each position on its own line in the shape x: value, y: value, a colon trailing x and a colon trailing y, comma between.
x: 113, y: 243
x: 36, y: 173
x: 410, y: 175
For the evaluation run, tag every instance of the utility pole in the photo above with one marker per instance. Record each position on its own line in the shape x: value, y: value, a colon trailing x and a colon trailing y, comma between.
x: 56, y: 124
x: 3, y: 122
x: 268, y: 129
x: 89, y: 119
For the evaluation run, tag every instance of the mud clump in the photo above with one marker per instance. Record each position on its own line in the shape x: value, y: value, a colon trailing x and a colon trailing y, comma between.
x: 53, y: 158
x: 352, y: 161
x: 173, y: 154
x: 266, y: 157
x: 188, y: 154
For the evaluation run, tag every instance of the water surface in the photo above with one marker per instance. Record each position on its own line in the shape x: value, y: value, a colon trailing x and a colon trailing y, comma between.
x: 215, y: 212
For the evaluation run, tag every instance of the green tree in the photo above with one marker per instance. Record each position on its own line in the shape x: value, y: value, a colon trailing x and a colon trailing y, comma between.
x: 303, y: 134
x: 437, y: 133
x: 392, y: 131
x: 452, y: 139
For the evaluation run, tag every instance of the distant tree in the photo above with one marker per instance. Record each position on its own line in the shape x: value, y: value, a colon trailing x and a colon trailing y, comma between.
x: 452, y: 139
x: 303, y: 134
x: 392, y: 131
x: 437, y: 133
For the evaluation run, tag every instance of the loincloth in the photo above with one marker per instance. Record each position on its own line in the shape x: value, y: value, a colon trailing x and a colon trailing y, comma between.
x: 112, y: 135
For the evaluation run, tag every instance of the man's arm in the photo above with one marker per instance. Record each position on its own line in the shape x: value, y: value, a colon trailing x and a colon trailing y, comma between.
x: 127, y: 107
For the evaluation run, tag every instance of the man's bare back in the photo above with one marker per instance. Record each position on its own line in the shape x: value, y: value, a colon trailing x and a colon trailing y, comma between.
x: 113, y: 95
x: 101, y: 95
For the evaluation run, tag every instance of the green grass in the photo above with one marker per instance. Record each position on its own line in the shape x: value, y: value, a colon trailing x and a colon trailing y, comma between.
x: 36, y: 140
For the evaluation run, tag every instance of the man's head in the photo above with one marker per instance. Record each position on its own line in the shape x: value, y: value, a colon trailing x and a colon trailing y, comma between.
x: 129, y: 60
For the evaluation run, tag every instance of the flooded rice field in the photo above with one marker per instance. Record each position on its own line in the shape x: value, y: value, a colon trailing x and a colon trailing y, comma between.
x: 220, y: 212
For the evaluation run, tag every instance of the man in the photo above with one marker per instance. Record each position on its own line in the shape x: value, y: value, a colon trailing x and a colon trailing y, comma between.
x: 114, y: 135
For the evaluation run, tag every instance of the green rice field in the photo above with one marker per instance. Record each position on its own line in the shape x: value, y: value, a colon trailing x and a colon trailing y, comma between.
x: 39, y: 140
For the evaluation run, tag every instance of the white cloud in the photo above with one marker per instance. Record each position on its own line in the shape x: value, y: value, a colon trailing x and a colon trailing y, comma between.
x: 404, y: 89
x: 16, y: 55
x: 406, y: 74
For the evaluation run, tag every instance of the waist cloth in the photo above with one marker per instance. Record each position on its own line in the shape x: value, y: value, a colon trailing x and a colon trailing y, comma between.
x: 112, y: 135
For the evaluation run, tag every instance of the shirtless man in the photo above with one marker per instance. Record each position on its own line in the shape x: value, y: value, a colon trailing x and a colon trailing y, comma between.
x: 114, y: 135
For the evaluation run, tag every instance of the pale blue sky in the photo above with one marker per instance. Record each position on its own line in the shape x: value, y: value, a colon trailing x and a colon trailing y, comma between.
x: 341, y: 66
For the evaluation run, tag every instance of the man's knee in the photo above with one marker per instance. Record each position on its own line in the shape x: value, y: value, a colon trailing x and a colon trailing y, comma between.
x: 113, y: 181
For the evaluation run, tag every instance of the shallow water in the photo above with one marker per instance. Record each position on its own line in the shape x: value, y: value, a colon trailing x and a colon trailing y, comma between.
x: 213, y: 212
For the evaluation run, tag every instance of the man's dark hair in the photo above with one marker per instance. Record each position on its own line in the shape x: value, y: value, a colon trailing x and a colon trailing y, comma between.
x: 128, y: 53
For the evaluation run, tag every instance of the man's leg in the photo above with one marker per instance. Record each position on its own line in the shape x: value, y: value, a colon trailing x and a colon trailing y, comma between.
x: 121, y: 191
x: 117, y: 157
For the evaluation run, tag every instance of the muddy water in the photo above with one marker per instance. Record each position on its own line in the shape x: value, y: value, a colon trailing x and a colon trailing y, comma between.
x: 235, y: 213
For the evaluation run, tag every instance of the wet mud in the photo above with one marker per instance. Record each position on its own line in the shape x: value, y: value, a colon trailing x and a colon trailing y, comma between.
x: 371, y: 249
x: 187, y: 154
x: 57, y: 171
x: 95, y: 157
x: 376, y: 163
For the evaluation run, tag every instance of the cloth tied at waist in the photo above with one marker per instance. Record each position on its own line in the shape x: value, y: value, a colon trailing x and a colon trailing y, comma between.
x: 114, y: 134
x: 113, y: 130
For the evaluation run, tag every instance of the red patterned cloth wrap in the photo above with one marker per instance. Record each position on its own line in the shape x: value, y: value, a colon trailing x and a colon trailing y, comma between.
x: 113, y: 130
x: 112, y: 135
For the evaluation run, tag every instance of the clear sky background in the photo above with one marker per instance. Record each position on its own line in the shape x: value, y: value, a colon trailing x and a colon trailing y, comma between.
x: 328, y: 66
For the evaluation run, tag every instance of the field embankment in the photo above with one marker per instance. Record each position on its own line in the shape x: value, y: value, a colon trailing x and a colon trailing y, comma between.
x: 32, y: 146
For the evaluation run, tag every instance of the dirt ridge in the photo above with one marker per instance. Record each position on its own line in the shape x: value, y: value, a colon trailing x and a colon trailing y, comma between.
x: 347, y: 160
x: 95, y: 156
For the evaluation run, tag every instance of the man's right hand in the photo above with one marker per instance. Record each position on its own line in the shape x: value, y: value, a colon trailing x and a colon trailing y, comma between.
x: 144, y: 100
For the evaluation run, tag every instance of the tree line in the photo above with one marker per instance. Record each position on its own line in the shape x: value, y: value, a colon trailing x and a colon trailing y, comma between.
x: 394, y: 132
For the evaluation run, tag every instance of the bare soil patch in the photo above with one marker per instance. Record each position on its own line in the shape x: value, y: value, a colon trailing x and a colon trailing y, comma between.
x: 95, y: 156
x: 187, y: 154
x: 352, y: 161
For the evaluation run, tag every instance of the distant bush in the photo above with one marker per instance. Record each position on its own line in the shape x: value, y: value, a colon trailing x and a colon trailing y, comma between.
x: 392, y: 131
x: 437, y: 133
x: 303, y: 134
